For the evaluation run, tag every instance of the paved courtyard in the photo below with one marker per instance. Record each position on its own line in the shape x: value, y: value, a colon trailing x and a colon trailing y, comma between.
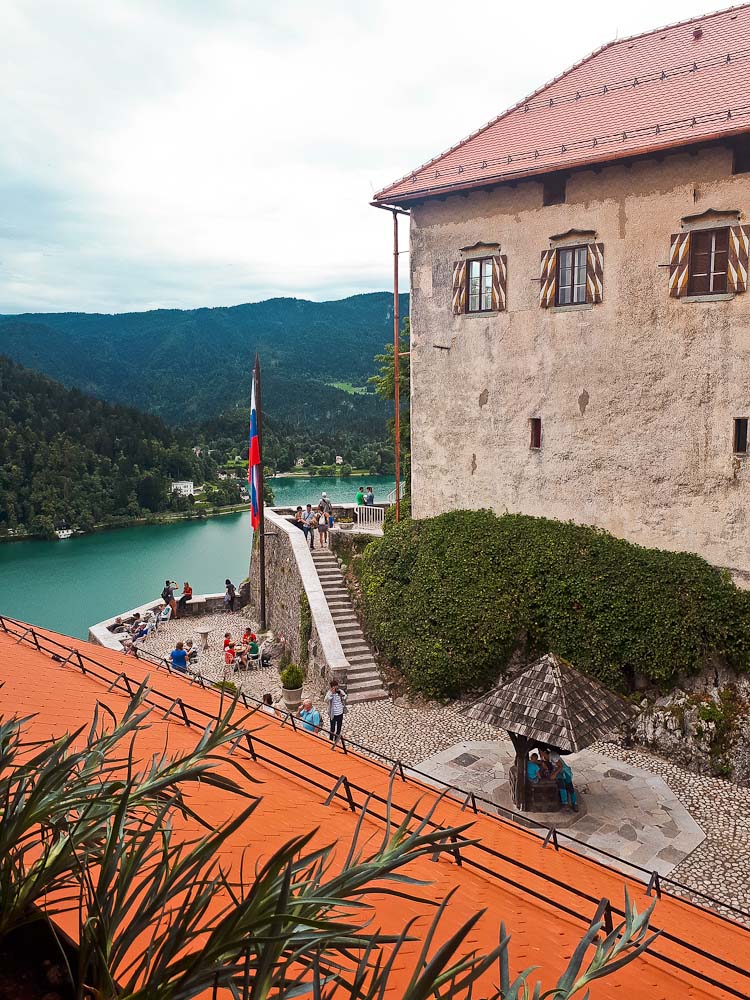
x: 638, y: 806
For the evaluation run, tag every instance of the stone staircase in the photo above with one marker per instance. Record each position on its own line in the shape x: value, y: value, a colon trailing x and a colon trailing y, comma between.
x: 363, y: 678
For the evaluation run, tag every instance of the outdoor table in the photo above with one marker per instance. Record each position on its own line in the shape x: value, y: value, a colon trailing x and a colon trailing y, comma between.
x: 203, y: 633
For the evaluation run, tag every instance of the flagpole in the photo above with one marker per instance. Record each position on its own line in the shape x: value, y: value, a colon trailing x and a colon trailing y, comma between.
x: 261, y: 506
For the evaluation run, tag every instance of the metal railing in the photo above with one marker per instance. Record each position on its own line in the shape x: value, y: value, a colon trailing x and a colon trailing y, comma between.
x: 368, y: 517
x: 472, y: 856
x: 391, y: 498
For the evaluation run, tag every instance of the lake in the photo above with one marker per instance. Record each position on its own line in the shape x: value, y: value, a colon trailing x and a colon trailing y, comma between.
x: 69, y: 585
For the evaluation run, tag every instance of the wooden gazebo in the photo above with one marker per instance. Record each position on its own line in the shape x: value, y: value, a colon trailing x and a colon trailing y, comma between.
x: 551, y: 705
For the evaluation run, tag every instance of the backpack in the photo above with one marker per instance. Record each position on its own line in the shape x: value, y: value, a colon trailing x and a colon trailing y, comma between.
x: 165, y: 594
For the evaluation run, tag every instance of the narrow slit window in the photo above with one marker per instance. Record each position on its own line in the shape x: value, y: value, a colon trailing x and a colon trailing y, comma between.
x: 571, y: 276
x: 479, y: 279
x: 536, y: 433
x: 740, y: 436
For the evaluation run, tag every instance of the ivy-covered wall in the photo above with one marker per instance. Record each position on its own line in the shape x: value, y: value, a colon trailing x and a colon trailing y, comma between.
x: 450, y: 599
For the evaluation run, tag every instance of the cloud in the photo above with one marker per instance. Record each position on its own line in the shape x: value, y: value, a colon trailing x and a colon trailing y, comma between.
x: 183, y: 153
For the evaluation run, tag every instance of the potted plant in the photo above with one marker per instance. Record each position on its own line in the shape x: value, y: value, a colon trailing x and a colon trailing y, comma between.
x: 292, y: 679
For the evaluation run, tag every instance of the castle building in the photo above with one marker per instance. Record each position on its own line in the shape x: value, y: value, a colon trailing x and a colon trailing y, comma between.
x: 580, y: 323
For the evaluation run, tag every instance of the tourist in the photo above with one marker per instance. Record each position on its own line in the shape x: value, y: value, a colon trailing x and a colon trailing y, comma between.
x: 252, y: 650
x: 167, y: 595
x: 533, y: 768
x: 360, y: 502
x: 165, y: 613
x: 311, y: 721
x: 369, y: 497
x: 322, y: 529
x: 562, y: 773
x: 192, y: 652
x: 119, y: 625
x: 227, y: 639
x: 230, y: 595
x: 178, y: 658
x: 309, y: 519
x: 336, y: 704
x: 268, y: 706
x: 248, y: 636
x: 325, y: 503
x: 187, y: 593
x: 135, y: 624
x: 298, y: 521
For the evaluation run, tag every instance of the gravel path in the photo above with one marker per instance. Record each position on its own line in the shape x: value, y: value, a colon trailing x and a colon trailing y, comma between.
x: 411, y: 732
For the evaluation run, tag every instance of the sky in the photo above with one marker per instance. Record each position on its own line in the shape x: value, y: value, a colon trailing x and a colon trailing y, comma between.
x: 183, y: 153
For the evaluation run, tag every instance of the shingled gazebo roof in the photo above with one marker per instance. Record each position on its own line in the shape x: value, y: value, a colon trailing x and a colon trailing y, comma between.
x: 552, y: 702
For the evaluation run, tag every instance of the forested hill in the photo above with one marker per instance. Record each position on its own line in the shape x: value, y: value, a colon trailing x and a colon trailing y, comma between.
x: 190, y: 365
x: 69, y: 460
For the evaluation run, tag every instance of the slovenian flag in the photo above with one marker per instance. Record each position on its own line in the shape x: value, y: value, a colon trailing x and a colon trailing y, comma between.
x: 254, y: 470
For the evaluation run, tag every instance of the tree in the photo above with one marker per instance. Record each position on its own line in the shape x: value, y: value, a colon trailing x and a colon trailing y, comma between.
x: 346, y: 470
x: 385, y: 386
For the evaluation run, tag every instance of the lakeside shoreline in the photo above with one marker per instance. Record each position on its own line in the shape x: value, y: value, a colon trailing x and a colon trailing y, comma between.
x: 165, y: 518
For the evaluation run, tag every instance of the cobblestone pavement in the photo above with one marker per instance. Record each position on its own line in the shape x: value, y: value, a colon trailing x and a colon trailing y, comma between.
x: 412, y: 732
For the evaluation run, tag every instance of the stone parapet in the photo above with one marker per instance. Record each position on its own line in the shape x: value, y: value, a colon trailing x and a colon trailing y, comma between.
x: 290, y: 572
x: 102, y: 634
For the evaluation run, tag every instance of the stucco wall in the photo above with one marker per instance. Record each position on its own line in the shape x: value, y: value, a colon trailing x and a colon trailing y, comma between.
x: 637, y: 395
x: 289, y: 570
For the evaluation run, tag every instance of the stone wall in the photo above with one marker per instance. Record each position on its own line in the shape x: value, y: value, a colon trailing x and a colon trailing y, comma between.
x: 637, y: 394
x: 102, y: 636
x: 290, y: 571
x: 703, y: 724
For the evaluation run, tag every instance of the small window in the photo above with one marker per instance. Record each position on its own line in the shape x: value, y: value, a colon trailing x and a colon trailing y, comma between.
x: 553, y: 190
x: 709, y: 251
x: 536, y: 432
x: 571, y: 276
x: 741, y: 158
x: 479, y: 280
x: 740, y: 436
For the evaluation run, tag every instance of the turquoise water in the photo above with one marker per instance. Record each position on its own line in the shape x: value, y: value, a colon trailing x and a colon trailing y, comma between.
x: 70, y: 585
x: 290, y: 491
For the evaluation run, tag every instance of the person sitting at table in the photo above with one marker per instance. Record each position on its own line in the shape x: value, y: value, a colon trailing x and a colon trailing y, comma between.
x: 227, y: 640
x: 187, y: 593
x: 192, y: 652
x: 240, y: 653
x: 178, y: 657
x: 248, y: 636
x: 533, y: 769
x: 229, y: 656
x: 252, y: 650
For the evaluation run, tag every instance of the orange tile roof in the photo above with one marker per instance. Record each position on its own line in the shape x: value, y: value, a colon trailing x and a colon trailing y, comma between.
x: 677, y: 85
x: 509, y: 873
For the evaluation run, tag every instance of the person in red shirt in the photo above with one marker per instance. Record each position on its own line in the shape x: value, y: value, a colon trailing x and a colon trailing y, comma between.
x: 227, y: 639
x: 187, y: 593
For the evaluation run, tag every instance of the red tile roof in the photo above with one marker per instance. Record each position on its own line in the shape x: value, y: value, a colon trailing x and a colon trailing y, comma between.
x: 682, y: 84
x: 537, y: 892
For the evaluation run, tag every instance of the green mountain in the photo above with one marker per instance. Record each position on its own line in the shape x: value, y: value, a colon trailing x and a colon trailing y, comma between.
x: 67, y: 459
x: 191, y: 365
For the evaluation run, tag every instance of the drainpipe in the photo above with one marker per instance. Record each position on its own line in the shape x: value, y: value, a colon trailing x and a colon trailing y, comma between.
x: 396, y: 354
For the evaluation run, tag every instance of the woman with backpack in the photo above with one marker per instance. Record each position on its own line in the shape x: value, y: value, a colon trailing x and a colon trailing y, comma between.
x: 230, y: 594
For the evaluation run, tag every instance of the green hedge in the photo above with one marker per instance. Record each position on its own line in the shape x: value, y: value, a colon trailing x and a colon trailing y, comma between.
x: 451, y: 599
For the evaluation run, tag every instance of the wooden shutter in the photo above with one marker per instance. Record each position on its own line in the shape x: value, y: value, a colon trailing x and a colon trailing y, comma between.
x: 739, y: 243
x: 499, y: 283
x: 548, y: 279
x: 459, y: 287
x: 594, y: 272
x: 679, y: 255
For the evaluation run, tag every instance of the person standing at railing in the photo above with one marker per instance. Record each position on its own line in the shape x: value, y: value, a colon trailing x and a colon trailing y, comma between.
x: 360, y: 502
x: 369, y: 497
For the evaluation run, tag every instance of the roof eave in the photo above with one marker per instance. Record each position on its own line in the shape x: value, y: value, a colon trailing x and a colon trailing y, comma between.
x: 406, y: 198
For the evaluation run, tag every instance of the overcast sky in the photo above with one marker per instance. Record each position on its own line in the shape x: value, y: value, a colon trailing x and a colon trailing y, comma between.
x: 209, y: 152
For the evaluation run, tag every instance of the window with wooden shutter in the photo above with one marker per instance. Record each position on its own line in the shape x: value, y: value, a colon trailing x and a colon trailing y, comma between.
x: 679, y: 255
x: 499, y: 283
x: 459, y: 287
x: 708, y: 258
x: 595, y: 273
x: 548, y: 278
x: 737, y: 263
